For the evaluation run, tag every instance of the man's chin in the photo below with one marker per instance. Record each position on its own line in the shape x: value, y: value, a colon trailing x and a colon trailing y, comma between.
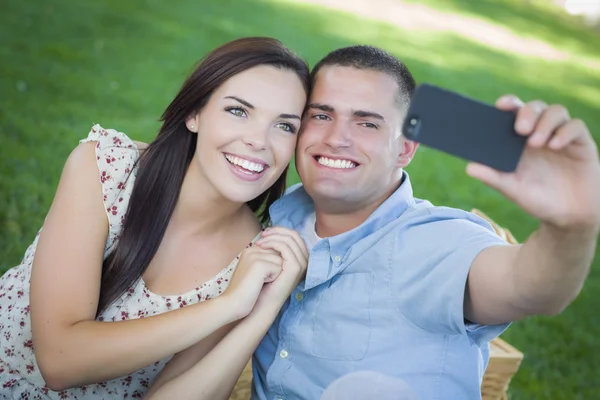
x: 328, y: 193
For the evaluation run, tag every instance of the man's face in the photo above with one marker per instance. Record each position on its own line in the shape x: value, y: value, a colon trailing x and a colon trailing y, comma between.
x: 350, y: 151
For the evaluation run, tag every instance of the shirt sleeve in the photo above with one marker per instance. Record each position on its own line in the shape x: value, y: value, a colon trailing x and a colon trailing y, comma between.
x: 432, y: 257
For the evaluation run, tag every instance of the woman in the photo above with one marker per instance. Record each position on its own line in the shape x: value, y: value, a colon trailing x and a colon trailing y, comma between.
x: 99, y: 305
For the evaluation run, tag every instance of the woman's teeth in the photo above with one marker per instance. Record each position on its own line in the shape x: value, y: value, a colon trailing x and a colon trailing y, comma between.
x: 248, y: 165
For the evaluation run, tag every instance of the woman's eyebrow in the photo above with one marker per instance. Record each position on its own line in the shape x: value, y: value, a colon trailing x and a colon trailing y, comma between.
x: 244, y: 102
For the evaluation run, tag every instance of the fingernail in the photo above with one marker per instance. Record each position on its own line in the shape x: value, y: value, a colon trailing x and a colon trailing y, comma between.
x: 511, y: 99
x: 535, y: 139
x: 524, y: 125
x: 470, y: 167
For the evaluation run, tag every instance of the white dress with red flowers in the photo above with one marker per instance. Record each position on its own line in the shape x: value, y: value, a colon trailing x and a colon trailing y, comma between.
x: 19, y: 373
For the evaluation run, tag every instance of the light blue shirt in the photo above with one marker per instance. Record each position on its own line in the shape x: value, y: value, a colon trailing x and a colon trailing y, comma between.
x: 386, y: 296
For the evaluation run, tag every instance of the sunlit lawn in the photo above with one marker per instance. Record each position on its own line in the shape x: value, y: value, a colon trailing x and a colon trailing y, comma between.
x: 67, y: 65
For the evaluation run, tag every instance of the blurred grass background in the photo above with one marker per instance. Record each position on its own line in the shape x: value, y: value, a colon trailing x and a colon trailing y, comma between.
x: 67, y: 65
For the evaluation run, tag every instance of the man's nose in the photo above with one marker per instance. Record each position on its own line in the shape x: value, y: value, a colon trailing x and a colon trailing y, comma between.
x: 338, y: 135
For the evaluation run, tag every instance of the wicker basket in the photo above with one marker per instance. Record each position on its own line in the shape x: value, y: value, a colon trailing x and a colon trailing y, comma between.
x: 503, y: 364
x: 500, y: 231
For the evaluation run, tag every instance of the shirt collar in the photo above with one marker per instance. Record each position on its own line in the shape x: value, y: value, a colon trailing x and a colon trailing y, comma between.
x: 296, y: 205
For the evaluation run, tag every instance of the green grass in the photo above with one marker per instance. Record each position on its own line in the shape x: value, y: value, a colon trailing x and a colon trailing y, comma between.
x: 66, y: 65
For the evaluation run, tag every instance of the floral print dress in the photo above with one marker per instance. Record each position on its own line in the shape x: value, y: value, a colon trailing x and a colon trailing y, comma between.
x: 20, y: 377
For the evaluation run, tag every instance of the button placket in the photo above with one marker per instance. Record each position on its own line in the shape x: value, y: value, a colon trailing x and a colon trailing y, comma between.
x: 275, y: 375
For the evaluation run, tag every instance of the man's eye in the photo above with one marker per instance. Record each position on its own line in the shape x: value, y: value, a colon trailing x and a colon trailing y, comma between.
x: 237, y: 111
x: 321, y: 117
x: 369, y: 125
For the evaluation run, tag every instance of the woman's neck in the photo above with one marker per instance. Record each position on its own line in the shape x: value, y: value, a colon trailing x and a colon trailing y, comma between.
x: 200, y: 209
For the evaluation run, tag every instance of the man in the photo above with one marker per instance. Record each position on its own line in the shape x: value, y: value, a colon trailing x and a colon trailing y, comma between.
x: 401, y: 287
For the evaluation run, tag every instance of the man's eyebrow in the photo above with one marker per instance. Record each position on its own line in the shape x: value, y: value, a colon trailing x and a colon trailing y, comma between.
x: 244, y: 102
x: 357, y: 113
x: 367, y: 114
x: 322, y: 107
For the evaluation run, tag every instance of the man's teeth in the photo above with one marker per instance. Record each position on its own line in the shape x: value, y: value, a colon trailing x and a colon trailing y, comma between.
x: 250, y: 166
x: 336, y: 163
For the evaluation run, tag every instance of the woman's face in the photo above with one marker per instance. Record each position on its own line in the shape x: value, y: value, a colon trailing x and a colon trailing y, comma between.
x: 247, y: 131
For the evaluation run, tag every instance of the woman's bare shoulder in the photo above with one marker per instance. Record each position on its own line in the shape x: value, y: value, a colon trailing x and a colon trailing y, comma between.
x: 141, y: 145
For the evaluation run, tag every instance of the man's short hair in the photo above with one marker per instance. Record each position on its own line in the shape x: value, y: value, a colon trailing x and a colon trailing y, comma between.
x: 371, y: 58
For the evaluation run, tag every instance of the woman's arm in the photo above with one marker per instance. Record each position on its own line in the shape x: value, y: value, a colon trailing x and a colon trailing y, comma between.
x: 187, y: 358
x: 213, y: 376
x: 71, y: 348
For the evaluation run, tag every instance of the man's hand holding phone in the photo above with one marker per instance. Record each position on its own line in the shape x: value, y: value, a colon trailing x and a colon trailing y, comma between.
x: 534, y: 154
x: 558, y: 176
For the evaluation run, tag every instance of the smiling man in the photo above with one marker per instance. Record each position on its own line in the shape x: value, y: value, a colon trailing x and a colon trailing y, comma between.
x: 395, y: 284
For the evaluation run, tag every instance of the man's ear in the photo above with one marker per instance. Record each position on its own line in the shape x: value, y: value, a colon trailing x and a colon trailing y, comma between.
x: 409, y: 148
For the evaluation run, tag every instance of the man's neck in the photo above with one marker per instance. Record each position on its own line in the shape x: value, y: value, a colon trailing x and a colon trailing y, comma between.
x: 331, y: 223
x: 328, y: 225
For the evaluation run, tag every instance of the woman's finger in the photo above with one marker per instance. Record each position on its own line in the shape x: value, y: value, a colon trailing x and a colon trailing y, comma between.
x: 279, y: 230
x: 289, y: 242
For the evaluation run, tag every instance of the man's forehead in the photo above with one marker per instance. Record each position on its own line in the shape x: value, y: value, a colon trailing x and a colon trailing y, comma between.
x: 348, y: 88
x: 359, y: 84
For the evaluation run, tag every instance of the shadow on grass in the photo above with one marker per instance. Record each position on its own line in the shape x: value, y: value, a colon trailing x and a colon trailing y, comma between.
x: 530, y: 19
x: 67, y: 65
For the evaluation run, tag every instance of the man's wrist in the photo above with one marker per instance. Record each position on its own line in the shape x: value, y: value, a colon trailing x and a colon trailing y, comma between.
x: 578, y: 231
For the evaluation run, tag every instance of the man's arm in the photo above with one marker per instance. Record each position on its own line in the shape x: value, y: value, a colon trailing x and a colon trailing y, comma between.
x: 558, y: 183
x: 540, y: 277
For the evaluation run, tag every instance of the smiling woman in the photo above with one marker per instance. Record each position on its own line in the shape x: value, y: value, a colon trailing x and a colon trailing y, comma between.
x: 249, y: 126
x: 142, y: 253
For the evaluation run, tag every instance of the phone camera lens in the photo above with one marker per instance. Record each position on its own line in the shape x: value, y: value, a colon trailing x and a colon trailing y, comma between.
x: 412, y: 128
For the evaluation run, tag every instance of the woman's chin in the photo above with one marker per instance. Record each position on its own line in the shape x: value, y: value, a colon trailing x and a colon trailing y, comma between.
x: 242, y: 196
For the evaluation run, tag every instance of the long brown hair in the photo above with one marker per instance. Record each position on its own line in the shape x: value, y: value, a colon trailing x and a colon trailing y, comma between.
x: 164, y: 163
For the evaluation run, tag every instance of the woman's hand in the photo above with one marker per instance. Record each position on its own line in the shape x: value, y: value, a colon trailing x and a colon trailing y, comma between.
x: 256, y: 267
x: 292, y: 249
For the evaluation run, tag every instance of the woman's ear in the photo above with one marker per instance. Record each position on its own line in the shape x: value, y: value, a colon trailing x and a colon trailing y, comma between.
x: 191, y: 123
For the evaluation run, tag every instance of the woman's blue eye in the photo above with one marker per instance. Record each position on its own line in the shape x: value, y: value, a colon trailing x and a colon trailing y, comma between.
x: 286, y: 127
x: 237, y: 111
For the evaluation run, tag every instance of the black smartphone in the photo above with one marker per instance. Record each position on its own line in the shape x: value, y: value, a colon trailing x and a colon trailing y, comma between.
x: 464, y: 127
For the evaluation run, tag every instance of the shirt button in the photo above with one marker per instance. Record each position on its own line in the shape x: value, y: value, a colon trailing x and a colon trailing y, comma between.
x: 299, y: 296
x: 283, y: 354
x: 337, y: 258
